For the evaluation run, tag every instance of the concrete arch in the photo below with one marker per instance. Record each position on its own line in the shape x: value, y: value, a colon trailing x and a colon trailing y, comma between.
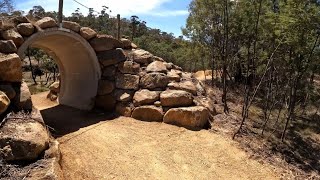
x: 78, y: 64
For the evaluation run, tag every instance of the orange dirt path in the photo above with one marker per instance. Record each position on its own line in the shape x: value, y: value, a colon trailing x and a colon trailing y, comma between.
x: 124, y: 148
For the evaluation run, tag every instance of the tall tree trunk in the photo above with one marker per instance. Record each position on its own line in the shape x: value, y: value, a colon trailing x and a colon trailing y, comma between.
x: 54, y: 74
x: 225, y: 57
x: 291, y: 107
x: 250, y: 68
x: 255, y: 44
x: 212, y: 72
x: 31, y: 68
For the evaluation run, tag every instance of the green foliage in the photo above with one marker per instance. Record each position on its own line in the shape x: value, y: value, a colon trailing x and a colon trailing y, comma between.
x: 45, y: 62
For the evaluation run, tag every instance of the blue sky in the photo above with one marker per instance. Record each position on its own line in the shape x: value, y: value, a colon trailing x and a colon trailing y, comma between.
x: 167, y: 15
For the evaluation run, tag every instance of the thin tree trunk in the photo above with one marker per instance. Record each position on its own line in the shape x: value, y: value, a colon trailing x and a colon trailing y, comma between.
x: 31, y: 68
x: 255, y: 43
x: 267, y: 101
x: 212, y: 72
x: 250, y: 65
x: 54, y: 74
x: 225, y: 57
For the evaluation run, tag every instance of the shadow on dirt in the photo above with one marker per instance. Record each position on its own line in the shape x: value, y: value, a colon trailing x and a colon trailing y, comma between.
x: 304, y: 149
x: 302, y: 152
x: 63, y: 120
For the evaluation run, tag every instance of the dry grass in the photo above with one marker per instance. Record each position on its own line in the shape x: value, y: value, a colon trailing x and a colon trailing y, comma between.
x: 42, y: 86
x: 298, y: 157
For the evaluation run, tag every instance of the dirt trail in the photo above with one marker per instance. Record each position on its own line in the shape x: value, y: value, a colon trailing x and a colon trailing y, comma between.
x: 124, y: 148
x: 41, y: 102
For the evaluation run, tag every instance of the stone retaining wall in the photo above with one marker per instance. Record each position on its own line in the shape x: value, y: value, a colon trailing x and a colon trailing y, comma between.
x: 134, y: 83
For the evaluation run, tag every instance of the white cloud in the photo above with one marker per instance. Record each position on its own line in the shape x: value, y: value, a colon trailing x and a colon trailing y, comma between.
x: 123, y: 7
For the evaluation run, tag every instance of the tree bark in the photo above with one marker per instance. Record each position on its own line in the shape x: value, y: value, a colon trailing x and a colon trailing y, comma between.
x: 31, y: 68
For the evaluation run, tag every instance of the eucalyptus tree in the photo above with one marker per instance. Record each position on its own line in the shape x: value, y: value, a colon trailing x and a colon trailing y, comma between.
x: 6, y: 6
x: 208, y: 24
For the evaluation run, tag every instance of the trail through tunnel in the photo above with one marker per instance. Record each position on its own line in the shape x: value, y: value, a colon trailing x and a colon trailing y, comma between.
x: 77, y: 62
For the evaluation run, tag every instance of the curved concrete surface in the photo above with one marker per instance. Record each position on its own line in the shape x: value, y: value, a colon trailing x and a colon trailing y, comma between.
x: 77, y: 62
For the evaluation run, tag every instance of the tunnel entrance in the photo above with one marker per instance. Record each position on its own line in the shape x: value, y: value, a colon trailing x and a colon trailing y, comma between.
x: 77, y: 62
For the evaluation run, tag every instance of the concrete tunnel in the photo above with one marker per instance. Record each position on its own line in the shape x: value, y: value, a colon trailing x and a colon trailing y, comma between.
x: 77, y: 61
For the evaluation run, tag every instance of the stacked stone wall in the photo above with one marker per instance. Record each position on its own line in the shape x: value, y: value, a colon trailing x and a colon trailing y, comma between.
x: 134, y: 83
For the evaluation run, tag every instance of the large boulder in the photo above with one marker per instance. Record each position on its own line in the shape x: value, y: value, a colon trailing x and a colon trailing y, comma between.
x: 111, y: 57
x: 157, y: 58
x: 109, y: 72
x: 50, y: 169
x: 127, y: 81
x: 52, y: 96
x: 148, y: 113
x: 134, y: 46
x: 22, y: 139
x: 189, y: 117
x: 25, y: 29
x: 141, y: 56
x: 186, y: 75
x: 124, y: 109
x: 106, y: 102
x: 105, y: 43
x: 71, y: 25
x: 207, y: 103
x: 11, y: 34
x: 20, y: 19
x: 129, y: 67
x: 5, y: 25
x: 53, y: 151
x: 4, y: 102
x: 157, y: 66
x: 87, y: 33
x: 145, y: 97
x: 7, y: 47
x: 169, y: 65
x: 200, y: 88
x: 177, y: 68
x: 10, y: 68
x: 176, y: 98
x: 188, y: 86
x: 8, y: 90
x: 123, y: 95
x: 126, y: 43
x: 55, y: 87
x: 46, y: 22
x: 105, y: 87
x: 174, y: 75
x: 22, y: 101
x: 154, y: 81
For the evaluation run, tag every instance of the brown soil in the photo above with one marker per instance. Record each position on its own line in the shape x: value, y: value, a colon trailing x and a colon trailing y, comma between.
x: 41, y: 102
x: 129, y: 149
x: 124, y: 148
